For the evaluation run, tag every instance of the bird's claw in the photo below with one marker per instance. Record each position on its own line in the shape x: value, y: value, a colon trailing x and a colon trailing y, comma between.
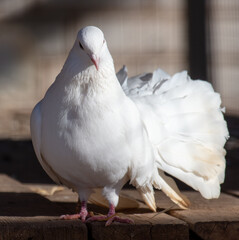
x: 110, y: 219
x: 70, y: 217
x: 81, y: 216
x: 116, y: 218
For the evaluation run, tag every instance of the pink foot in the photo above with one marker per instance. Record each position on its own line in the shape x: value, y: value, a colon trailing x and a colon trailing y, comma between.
x: 118, y: 219
x: 97, y: 218
x: 82, y: 215
x: 111, y: 217
x: 70, y: 217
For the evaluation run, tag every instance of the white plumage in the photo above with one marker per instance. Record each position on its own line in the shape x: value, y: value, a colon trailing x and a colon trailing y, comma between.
x: 185, y: 123
x: 94, y: 131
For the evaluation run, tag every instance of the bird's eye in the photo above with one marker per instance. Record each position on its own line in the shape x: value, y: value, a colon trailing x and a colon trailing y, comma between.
x: 103, y: 41
x: 81, y: 46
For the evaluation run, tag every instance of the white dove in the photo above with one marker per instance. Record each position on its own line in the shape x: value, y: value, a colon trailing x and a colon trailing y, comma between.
x: 92, y: 131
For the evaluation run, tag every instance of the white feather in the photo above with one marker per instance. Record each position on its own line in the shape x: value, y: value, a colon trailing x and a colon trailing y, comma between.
x: 92, y: 130
x: 185, y: 123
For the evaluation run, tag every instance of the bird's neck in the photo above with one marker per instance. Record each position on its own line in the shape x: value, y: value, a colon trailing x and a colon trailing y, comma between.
x: 84, y: 72
x: 80, y: 79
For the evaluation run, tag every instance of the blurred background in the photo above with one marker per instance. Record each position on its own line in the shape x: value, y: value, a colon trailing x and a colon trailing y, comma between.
x: 36, y: 35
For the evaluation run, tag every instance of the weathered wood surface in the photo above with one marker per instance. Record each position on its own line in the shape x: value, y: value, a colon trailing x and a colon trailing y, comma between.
x: 212, y: 219
x: 31, y: 211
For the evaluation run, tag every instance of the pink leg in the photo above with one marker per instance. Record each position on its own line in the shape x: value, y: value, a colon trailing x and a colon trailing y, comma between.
x: 110, y: 217
x: 82, y: 215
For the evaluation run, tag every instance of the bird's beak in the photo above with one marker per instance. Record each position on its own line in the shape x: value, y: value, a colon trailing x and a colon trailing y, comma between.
x: 95, y: 60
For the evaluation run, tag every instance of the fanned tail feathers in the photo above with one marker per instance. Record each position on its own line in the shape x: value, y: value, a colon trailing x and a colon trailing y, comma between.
x: 185, y: 124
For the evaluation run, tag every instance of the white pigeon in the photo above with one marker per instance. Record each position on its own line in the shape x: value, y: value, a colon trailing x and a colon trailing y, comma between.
x: 93, y: 131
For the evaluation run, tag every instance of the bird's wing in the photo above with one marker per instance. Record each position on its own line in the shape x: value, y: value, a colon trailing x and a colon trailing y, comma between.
x: 186, y: 126
x: 36, y: 125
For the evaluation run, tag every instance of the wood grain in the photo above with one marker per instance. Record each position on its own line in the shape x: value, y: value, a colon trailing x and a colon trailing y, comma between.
x: 31, y: 211
x: 148, y: 226
x: 216, y: 219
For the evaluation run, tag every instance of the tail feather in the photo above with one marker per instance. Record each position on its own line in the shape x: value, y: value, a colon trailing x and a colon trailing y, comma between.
x: 149, y: 199
x: 208, y: 188
x: 169, y: 187
x: 185, y: 123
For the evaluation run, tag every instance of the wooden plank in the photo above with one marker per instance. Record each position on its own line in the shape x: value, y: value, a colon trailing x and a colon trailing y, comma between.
x: 148, y: 226
x: 54, y: 193
x: 27, y: 204
x: 215, y: 219
x: 207, y: 219
x: 234, y: 193
x: 8, y: 184
x: 38, y: 228
x: 27, y: 215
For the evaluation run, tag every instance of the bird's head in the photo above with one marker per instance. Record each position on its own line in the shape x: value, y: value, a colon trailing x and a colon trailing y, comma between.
x: 91, y: 44
x: 89, y: 56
